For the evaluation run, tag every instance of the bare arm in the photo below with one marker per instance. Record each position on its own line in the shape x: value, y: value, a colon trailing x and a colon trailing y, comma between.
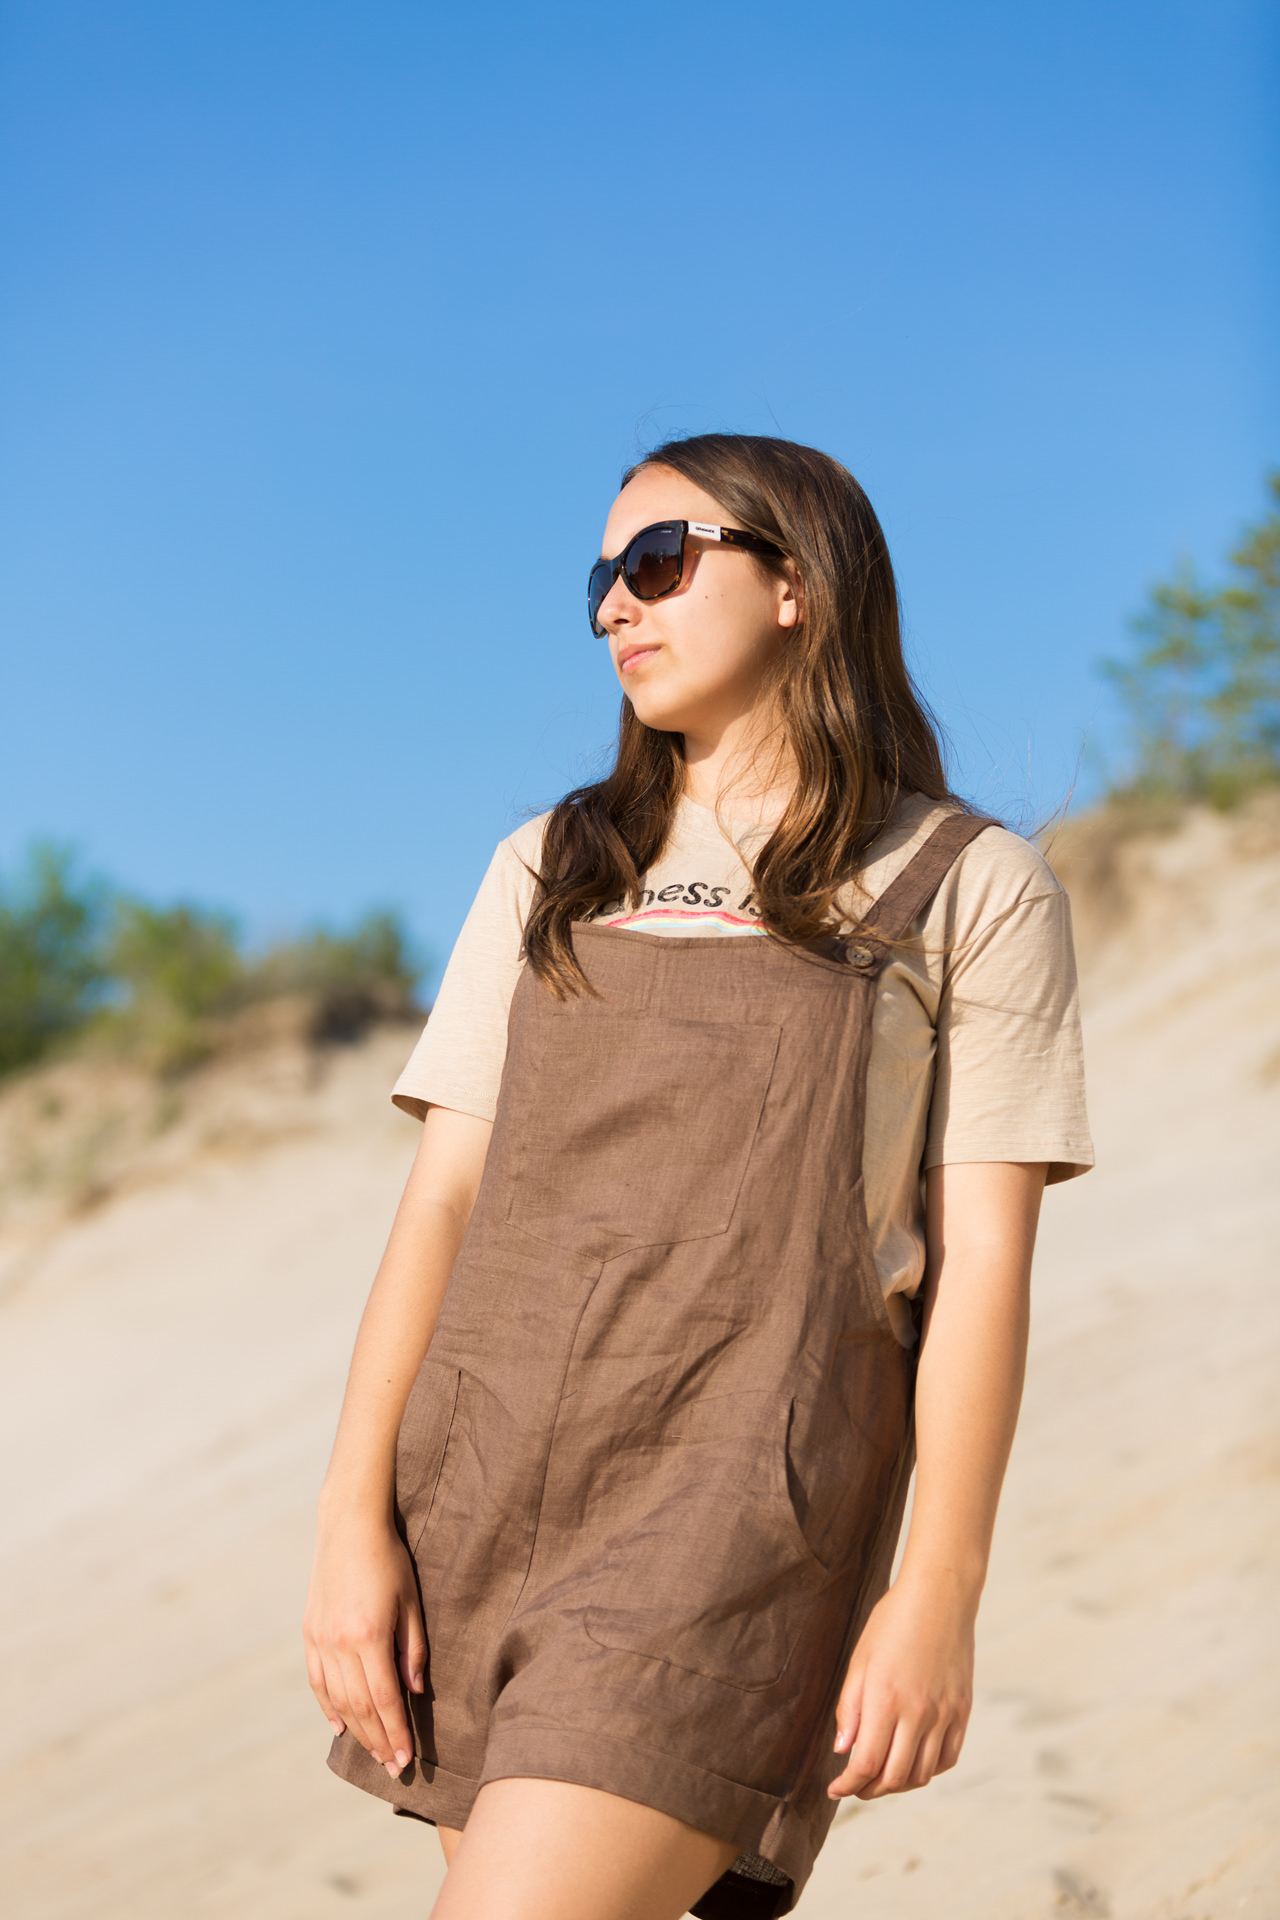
x: 362, y: 1627
x: 905, y: 1703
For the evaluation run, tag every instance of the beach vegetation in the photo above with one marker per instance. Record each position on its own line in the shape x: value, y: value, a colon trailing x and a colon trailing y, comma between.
x: 87, y: 965
x: 1200, y: 684
x: 53, y: 972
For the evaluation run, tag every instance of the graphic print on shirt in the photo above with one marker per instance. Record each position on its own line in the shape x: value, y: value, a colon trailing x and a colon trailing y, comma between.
x: 683, y: 906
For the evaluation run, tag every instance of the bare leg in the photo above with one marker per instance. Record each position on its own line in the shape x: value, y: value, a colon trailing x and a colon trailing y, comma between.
x: 548, y: 1850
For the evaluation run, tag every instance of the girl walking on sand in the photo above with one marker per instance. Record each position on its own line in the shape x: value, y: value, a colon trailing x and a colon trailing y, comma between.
x: 738, y: 1100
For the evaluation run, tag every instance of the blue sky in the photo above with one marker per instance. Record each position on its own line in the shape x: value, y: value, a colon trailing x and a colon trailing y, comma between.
x: 329, y: 326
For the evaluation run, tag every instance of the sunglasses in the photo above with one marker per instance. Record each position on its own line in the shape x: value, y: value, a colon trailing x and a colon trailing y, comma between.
x: 652, y: 562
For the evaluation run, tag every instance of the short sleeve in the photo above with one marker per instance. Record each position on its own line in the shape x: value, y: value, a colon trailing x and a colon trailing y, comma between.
x: 458, y: 1060
x: 1009, y: 1073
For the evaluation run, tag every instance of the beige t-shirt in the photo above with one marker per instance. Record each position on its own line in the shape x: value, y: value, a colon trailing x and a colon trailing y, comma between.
x: 975, y: 1051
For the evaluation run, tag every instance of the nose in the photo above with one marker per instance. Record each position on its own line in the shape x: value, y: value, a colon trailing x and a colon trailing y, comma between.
x: 618, y: 607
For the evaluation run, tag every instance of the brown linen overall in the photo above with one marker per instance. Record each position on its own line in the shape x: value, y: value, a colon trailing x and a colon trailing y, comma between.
x: 652, y: 1469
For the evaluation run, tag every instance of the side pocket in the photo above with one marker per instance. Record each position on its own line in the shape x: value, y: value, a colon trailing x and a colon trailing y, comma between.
x: 705, y: 1564
x: 421, y: 1445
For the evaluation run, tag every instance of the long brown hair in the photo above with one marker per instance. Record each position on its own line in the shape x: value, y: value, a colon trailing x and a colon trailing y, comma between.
x: 859, y: 732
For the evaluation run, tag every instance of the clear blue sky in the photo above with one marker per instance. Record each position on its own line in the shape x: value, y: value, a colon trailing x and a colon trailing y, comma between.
x: 328, y: 326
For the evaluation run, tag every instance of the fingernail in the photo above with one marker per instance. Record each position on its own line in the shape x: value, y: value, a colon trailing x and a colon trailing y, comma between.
x: 402, y: 1758
x: 416, y: 1683
x: 392, y: 1769
x: 337, y: 1726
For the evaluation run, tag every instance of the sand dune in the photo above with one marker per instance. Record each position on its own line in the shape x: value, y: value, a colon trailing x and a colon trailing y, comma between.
x: 171, y: 1357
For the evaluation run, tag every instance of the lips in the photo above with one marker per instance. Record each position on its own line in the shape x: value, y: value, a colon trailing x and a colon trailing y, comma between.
x: 632, y: 656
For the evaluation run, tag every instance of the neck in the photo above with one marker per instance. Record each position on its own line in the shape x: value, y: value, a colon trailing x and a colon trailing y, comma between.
x: 740, y: 772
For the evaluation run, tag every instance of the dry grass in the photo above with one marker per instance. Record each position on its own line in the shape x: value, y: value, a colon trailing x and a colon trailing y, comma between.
x: 1114, y: 859
x: 97, y: 1122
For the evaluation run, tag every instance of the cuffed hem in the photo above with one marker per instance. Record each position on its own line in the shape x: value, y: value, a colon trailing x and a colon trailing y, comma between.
x: 477, y: 1101
x: 427, y: 1790
x: 756, y: 1823
x: 1066, y: 1160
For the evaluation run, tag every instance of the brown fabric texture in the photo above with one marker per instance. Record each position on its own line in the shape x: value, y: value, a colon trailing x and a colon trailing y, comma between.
x: 653, y: 1467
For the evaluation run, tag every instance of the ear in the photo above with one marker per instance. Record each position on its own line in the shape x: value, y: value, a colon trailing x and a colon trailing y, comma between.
x: 790, y: 597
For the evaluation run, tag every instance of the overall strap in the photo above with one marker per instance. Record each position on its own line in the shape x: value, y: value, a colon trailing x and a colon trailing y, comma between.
x: 888, y: 920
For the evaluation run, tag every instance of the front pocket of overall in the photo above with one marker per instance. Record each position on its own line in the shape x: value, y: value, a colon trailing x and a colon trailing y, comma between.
x: 703, y: 1562
x: 638, y: 1130
x: 421, y: 1445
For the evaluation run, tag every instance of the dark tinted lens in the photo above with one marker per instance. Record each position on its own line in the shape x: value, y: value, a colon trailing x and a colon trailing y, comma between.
x: 652, y: 564
x: 598, y: 585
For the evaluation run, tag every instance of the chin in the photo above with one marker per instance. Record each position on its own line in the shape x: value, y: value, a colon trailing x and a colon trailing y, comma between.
x: 652, y: 713
x: 661, y: 722
x: 663, y: 713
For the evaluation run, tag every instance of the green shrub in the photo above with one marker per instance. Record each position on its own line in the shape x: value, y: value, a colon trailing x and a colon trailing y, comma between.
x: 158, y: 983
x: 353, y: 978
x: 1201, y: 690
x: 170, y: 968
x: 52, y: 973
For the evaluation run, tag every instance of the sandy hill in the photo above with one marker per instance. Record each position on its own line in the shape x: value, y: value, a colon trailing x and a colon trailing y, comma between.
x: 181, y: 1271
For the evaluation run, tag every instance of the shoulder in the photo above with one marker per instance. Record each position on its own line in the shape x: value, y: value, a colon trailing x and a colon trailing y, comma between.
x: 997, y: 870
x: 1000, y: 921
x: 999, y: 904
x: 1000, y: 870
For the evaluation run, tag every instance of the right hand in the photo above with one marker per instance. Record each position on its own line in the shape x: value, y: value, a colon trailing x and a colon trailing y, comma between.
x: 364, y: 1635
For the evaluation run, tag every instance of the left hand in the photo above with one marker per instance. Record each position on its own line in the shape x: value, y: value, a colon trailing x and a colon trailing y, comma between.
x: 906, y: 1698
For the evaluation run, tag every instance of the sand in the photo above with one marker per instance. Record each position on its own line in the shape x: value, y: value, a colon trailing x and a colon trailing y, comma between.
x: 171, y: 1358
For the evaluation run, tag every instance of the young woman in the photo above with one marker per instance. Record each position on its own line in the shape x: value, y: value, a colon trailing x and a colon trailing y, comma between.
x: 738, y: 1099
